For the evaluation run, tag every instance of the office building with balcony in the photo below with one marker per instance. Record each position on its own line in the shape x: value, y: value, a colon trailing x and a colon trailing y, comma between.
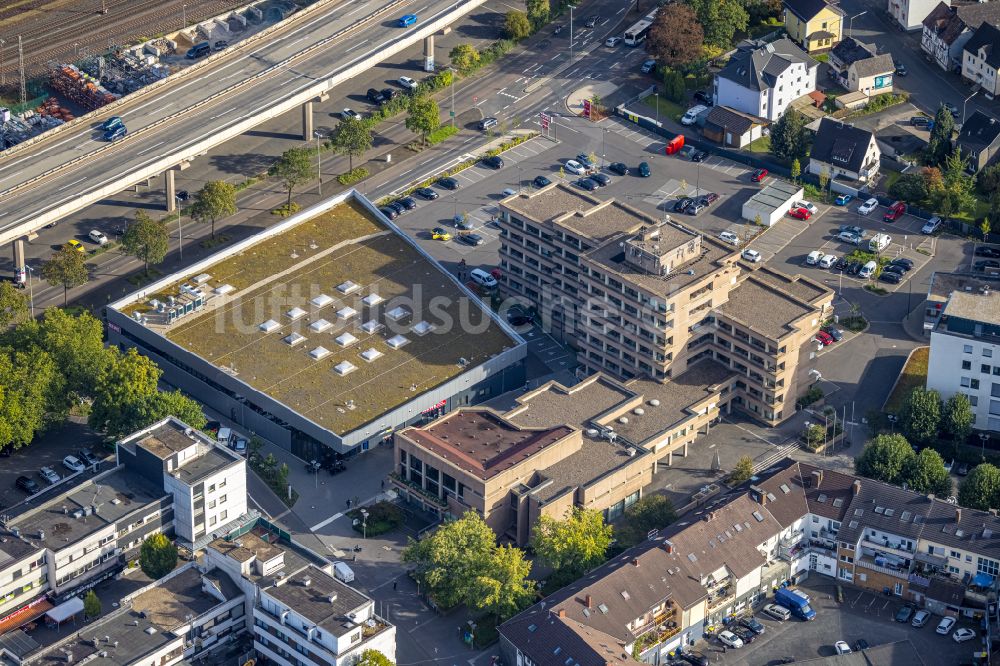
x: 965, y: 349
x: 640, y: 297
x: 594, y: 445
x: 798, y: 520
x: 302, y: 614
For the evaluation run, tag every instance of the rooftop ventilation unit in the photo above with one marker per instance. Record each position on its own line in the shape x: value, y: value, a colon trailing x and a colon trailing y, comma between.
x: 372, y: 299
x: 346, y: 339
x: 371, y: 326
x: 319, y: 325
x: 397, y: 313
x: 347, y: 287
x: 269, y: 325
x: 422, y: 328
x: 223, y: 289
x: 344, y: 368
x: 371, y: 354
x: 638, y: 411
x: 321, y: 300
x: 295, y: 313
x: 202, y: 279
x: 397, y: 341
x: 150, y: 630
x: 294, y: 339
x: 654, y: 403
x: 346, y: 312
x: 319, y: 352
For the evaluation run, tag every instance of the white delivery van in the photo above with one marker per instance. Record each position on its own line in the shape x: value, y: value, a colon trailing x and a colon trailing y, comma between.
x: 879, y: 242
x: 224, y: 436
x: 867, y: 270
x: 343, y: 572
x: 482, y: 278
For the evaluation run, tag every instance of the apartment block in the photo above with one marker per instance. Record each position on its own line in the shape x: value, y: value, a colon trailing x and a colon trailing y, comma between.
x: 798, y: 520
x: 641, y: 297
x: 594, y: 445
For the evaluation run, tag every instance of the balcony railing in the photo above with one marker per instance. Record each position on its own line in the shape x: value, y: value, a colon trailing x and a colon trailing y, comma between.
x: 409, y: 485
x: 867, y: 563
x: 887, y: 545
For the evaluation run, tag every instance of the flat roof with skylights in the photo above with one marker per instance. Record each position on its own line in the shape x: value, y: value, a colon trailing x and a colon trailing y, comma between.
x: 333, y: 313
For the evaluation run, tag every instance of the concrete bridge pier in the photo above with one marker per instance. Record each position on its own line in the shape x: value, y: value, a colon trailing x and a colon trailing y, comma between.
x: 170, y: 187
x: 429, y: 53
x: 308, y: 127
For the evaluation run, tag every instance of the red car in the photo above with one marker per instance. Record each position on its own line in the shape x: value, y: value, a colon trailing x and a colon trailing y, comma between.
x: 758, y: 175
x: 800, y: 213
x: 824, y: 338
x: 895, y: 212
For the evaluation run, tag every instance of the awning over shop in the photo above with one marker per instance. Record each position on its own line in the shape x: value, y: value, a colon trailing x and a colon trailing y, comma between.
x: 982, y: 580
x: 65, y: 610
x: 24, y: 615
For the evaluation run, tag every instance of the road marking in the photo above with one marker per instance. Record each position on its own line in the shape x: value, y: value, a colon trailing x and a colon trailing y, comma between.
x: 358, y: 45
x: 151, y: 148
x: 354, y: 11
x: 70, y: 184
x: 320, y: 525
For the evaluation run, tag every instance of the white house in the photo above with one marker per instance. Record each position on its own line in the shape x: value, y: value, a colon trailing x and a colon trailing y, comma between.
x: 844, y: 151
x: 763, y: 79
x: 981, y: 58
x: 909, y: 14
x: 946, y: 30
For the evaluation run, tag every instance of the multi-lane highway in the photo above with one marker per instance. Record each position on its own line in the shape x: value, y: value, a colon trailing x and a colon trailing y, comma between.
x: 75, y: 167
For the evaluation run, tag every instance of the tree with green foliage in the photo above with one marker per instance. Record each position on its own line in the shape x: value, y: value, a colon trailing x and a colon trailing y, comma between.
x: 988, y: 179
x: 516, y: 25
x: 796, y: 170
x: 13, y: 305
x: 926, y: 473
x: 423, y: 116
x: 673, y: 85
x: 351, y: 137
x: 538, y: 11
x: 910, y: 187
x: 504, y: 588
x: 574, y: 545
x: 450, y: 560
x: 216, y: 199
x: 958, y: 418
x: 956, y: 193
x: 981, y: 488
x: 157, y: 556
x: 742, y: 471
x: 176, y: 404
x: 146, y: 239
x: 295, y: 167
x: 91, y: 605
x: 465, y: 58
x: 721, y: 20
x: 789, y: 137
x: 372, y: 657
x: 920, y: 417
x: 884, y: 458
x: 984, y: 227
x: 675, y: 38
x: 76, y: 345
x: 29, y: 384
x: 651, y: 512
x: 939, y: 144
x: 65, y: 269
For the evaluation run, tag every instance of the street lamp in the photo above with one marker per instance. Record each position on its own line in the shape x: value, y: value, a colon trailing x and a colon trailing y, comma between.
x: 319, y: 162
x: 604, y: 140
x: 454, y: 75
x: 571, y: 33
x: 364, y: 524
x: 850, y: 23
x: 892, y: 422
x: 31, y: 295
x: 184, y: 21
x: 983, y: 438
x: 966, y: 101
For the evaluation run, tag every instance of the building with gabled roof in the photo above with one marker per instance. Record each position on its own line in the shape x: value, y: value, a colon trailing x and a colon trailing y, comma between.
x: 981, y: 59
x: 763, y: 79
x: 947, y: 29
x: 859, y: 67
x: 845, y: 152
x: 816, y: 25
x: 979, y: 140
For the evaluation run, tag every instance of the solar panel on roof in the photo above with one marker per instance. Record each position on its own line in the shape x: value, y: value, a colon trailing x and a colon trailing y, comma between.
x: 759, y: 518
x: 785, y: 489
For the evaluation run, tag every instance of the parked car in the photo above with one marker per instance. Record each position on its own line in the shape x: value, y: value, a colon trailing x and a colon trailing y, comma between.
x: 88, y: 458
x: 695, y: 659
x: 986, y: 264
x: 618, y: 168
x: 112, y: 122
x: 905, y: 263
x: 952, y: 109
x: 921, y: 618
x: 945, y: 625
x: 861, y: 644
x: 75, y: 245
x: 894, y: 268
x: 407, y: 83
x: 753, y: 625
x: 575, y: 168
x: 730, y: 639
x: 27, y: 484
x: 644, y: 170
x: 612, y: 41
x: 895, y: 212
x: 841, y: 647
x: 808, y: 205
x: 919, y: 121
x: 854, y: 229
x: 409, y: 203
x: 426, y: 193
x: 900, y: 70
x: 753, y: 256
x: 220, y: 45
x: 437, y: 233
x: 49, y: 475
x: 602, y: 179
x: 541, y: 181
x: 963, y: 469
x: 695, y: 208
x: 389, y: 212
x: 824, y: 338
x: 849, y: 237
x: 704, y: 98
x: 745, y: 634
x: 776, y: 612
x: 584, y: 159
x: 586, y: 184
x: 710, y: 198
x: 986, y: 251
x: 508, y: 192
x: 699, y: 156
x: 905, y: 614
x: 98, y: 237
x: 447, y: 183
x: 843, y: 199
x: 389, y: 93
x: 730, y: 237
x: 834, y: 333
x: 493, y: 162
x: 487, y: 123
x: 868, y: 206
x: 759, y: 175
x: 518, y: 316
x: 648, y: 66
x: 374, y: 96
x: 692, y: 114
x: 828, y: 261
x: 682, y: 204
x: 799, y: 213
x: 890, y: 277
x: 471, y: 239
x: 73, y: 464
x: 931, y: 225
x: 963, y: 635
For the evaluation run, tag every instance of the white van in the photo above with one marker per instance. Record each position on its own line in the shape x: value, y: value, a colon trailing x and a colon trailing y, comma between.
x: 343, y: 572
x: 482, y: 278
x: 225, y: 436
x: 879, y: 242
x: 813, y: 257
x: 867, y: 270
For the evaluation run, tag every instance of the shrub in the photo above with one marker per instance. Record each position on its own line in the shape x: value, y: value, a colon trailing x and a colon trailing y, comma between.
x: 814, y: 394
x: 353, y: 176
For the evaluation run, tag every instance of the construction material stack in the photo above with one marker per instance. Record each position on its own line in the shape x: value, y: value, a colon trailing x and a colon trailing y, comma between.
x: 80, y: 87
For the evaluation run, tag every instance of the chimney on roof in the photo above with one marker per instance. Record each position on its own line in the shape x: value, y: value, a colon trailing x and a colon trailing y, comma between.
x: 561, y: 612
x: 710, y: 516
x: 958, y: 514
x: 994, y: 512
x: 590, y: 601
x: 635, y: 561
x: 856, y: 487
x: 818, y: 477
x: 759, y: 495
x: 669, y: 547
x: 307, y: 581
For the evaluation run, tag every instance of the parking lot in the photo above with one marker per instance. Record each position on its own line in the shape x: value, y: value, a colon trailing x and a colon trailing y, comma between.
x: 862, y: 615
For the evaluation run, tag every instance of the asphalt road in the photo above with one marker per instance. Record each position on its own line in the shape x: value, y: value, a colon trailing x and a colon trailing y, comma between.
x: 268, y: 76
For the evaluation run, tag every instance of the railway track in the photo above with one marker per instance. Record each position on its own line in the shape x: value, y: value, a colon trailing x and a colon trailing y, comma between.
x: 55, y: 31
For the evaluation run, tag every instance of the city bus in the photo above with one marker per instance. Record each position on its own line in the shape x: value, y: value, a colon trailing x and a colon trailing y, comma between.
x: 638, y: 32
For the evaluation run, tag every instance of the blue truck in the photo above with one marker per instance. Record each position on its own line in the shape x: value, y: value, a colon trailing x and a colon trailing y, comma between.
x: 795, y: 601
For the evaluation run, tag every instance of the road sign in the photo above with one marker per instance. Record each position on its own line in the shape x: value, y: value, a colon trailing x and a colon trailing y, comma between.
x: 586, y: 108
x: 451, y: 113
x: 545, y: 119
x: 475, y: 98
